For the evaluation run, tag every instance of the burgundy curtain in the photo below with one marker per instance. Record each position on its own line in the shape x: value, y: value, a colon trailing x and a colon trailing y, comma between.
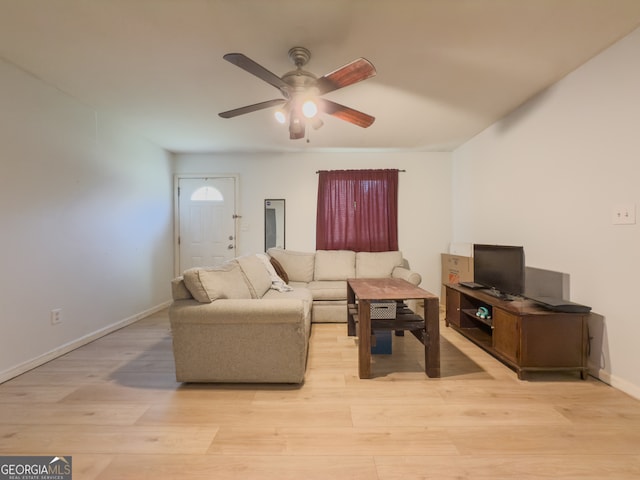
x: 357, y: 210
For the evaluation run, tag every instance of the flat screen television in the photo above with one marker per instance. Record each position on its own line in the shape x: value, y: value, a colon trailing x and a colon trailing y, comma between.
x: 500, y: 268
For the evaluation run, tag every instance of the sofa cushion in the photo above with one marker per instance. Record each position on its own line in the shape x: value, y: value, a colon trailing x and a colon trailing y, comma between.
x: 329, y: 311
x: 258, y: 277
x: 209, y: 284
x: 298, y: 265
x: 377, y: 264
x: 334, y: 265
x: 296, y: 293
x: 328, y: 289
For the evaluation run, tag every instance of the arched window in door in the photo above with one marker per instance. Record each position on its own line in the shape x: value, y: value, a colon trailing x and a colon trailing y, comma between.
x: 207, y: 194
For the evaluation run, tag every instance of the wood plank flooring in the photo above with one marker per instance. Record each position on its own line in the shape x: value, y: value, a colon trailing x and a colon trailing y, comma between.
x: 114, y: 405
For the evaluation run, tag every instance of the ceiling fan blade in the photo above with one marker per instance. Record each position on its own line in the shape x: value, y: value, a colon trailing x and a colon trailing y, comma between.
x: 345, y: 113
x: 256, y: 69
x: 354, y: 72
x: 252, y: 108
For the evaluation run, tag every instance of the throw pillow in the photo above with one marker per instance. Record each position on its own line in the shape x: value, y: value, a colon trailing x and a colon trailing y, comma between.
x: 276, y: 282
x: 279, y: 270
x: 258, y: 278
x: 209, y: 284
x: 194, y: 285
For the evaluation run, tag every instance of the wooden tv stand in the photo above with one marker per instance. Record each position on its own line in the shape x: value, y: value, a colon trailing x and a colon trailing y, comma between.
x: 520, y: 333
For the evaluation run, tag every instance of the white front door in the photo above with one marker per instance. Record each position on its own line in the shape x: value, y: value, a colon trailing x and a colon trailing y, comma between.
x: 206, y: 212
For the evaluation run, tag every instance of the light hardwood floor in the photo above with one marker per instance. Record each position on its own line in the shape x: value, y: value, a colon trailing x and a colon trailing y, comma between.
x: 114, y: 405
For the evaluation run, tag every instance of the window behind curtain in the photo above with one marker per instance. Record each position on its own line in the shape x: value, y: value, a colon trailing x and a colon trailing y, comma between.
x: 357, y: 210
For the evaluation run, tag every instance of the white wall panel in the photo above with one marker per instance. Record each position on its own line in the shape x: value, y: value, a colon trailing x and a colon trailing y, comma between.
x: 86, y: 216
x: 547, y: 177
x: 424, y: 198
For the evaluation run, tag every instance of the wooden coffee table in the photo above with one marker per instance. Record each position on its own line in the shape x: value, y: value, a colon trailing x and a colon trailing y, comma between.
x: 426, y: 330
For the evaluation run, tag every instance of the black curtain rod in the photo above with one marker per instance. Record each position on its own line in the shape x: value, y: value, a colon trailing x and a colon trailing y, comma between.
x: 318, y: 171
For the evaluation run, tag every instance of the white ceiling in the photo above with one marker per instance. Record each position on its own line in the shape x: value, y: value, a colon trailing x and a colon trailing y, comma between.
x: 447, y: 69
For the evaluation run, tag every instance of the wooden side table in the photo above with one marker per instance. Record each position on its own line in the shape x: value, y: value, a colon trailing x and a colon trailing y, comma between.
x: 426, y: 330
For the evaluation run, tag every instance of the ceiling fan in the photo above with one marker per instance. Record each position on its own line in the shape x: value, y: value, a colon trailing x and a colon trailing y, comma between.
x: 302, y: 91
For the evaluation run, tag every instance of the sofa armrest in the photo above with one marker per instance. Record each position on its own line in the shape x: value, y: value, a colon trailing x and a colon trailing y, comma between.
x: 409, y: 275
x: 179, y: 290
x: 238, y: 311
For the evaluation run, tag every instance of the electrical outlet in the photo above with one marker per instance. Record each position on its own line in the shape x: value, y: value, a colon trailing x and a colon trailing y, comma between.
x: 56, y: 316
x: 623, y: 214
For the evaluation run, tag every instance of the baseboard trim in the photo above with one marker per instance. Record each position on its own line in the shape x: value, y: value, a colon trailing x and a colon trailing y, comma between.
x: 70, y: 346
x: 617, y: 383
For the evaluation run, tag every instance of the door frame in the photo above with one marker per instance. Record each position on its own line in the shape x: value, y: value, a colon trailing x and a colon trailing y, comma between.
x: 176, y: 210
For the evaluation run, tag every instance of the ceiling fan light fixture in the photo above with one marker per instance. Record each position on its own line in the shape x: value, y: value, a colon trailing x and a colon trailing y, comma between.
x: 309, y: 109
x: 296, y: 128
x: 316, y: 123
x: 280, y: 116
x: 303, y: 91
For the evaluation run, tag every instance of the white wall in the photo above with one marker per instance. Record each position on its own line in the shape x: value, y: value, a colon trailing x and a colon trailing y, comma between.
x: 424, y: 198
x: 547, y: 177
x: 86, y: 213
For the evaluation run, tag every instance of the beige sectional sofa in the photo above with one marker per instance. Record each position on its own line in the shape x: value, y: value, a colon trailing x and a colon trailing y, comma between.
x: 325, y: 274
x: 241, y: 322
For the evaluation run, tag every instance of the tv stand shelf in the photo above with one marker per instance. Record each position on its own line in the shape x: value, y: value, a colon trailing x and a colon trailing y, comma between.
x: 472, y: 313
x: 520, y: 333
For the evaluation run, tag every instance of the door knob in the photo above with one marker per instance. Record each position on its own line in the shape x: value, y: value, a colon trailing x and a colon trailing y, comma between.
x: 230, y: 237
x: 230, y: 247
